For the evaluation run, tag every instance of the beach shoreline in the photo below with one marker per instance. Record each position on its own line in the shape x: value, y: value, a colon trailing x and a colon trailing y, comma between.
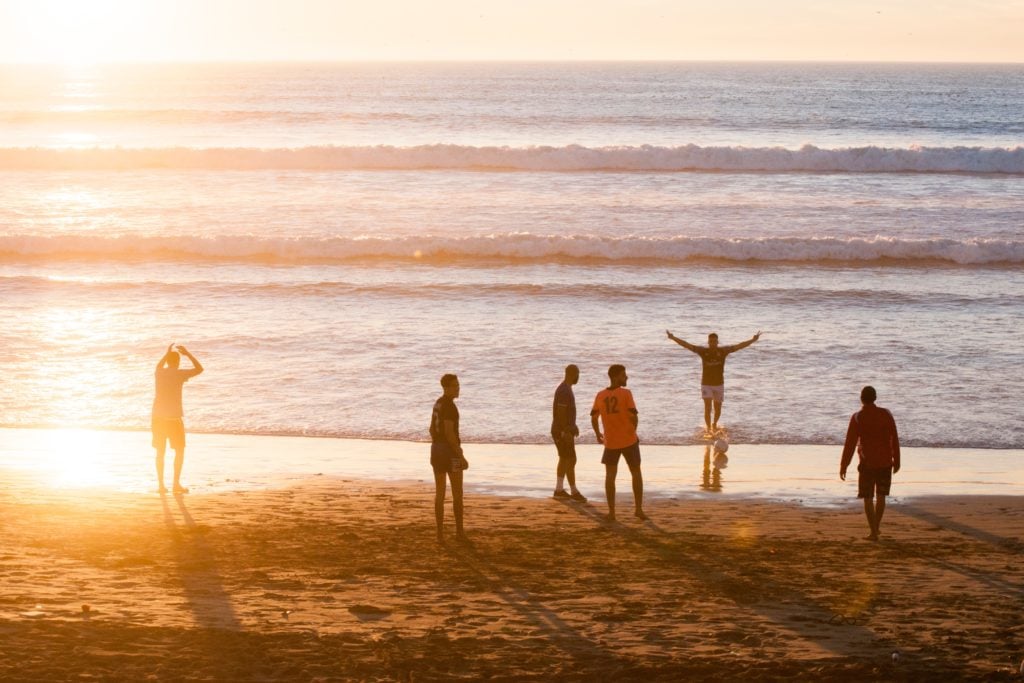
x: 329, y: 579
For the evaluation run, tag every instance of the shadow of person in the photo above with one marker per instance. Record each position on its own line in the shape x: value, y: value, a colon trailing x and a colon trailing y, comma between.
x: 194, y: 561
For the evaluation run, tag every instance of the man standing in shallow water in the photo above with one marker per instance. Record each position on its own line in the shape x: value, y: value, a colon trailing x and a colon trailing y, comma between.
x: 168, y: 422
x: 446, y: 456
x: 712, y: 377
x: 872, y: 432
x: 618, y: 412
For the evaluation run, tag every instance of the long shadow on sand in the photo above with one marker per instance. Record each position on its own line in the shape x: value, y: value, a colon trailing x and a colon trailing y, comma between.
x: 201, y: 583
x: 553, y: 627
x: 813, y: 618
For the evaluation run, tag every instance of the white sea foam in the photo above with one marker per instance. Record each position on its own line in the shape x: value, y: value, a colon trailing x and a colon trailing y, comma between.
x: 514, y: 246
x: 809, y: 158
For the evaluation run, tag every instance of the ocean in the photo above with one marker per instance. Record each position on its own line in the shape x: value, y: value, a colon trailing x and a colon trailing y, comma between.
x: 330, y: 239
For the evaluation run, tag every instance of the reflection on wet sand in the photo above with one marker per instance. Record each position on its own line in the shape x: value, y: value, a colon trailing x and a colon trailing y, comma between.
x: 711, y: 479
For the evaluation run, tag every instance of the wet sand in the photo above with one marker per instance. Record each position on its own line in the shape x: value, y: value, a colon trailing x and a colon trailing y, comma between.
x: 344, y: 580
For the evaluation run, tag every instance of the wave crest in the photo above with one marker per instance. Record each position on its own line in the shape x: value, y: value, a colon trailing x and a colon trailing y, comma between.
x: 571, y: 158
x: 512, y: 246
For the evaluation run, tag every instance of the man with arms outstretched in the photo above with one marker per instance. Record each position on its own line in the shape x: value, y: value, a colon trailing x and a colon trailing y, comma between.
x: 564, y: 432
x: 617, y: 411
x: 712, y: 377
x: 168, y: 422
x: 872, y: 432
x: 446, y: 456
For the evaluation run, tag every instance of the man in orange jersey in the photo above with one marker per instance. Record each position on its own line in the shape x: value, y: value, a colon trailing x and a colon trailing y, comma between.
x: 618, y: 413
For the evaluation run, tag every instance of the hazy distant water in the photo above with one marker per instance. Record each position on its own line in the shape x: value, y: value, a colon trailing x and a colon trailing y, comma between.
x: 517, y: 218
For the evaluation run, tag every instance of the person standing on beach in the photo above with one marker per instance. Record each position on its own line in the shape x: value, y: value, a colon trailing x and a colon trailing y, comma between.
x: 618, y: 413
x: 168, y: 422
x: 446, y: 454
x: 872, y: 432
x: 564, y: 432
x: 712, y: 378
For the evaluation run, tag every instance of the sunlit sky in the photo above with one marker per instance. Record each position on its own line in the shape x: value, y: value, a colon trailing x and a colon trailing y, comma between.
x: 85, y: 31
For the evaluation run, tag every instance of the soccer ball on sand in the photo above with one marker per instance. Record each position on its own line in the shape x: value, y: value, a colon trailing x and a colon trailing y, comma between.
x: 721, y: 446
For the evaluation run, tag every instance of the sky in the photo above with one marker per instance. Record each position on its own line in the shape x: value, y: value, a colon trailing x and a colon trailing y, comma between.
x: 88, y: 31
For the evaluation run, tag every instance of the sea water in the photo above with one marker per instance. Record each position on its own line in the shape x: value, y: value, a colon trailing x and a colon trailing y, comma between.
x: 329, y: 239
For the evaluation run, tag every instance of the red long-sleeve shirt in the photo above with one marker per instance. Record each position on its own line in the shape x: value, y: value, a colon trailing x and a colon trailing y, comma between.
x: 872, y: 432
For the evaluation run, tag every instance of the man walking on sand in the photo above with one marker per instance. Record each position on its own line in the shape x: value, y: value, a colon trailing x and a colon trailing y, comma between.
x: 168, y: 422
x: 618, y: 413
x: 872, y: 432
x: 564, y: 432
x: 712, y: 378
x: 446, y: 456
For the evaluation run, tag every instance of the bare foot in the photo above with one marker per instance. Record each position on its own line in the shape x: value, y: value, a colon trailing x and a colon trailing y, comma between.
x: 162, y: 490
x: 639, y: 514
x: 610, y: 517
x: 179, y: 489
x: 872, y: 536
x: 460, y: 537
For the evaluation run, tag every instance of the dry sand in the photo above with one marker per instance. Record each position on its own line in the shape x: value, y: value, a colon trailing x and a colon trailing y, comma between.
x: 344, y: 580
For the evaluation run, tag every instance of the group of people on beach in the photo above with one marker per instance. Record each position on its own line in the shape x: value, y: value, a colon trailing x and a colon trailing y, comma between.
x: 871, y: 432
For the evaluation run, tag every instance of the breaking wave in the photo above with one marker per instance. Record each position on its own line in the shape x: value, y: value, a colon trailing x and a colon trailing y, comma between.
x: 527, y: 247
x: 571, y: 158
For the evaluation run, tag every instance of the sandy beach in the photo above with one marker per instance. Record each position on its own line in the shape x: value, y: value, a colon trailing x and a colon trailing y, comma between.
x: 335, y: 579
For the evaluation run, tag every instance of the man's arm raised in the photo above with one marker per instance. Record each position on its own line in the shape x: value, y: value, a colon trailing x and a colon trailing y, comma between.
x: 163, y: 359
x: 685, y: 344
x: 197, y: 367
x: 743, y: 345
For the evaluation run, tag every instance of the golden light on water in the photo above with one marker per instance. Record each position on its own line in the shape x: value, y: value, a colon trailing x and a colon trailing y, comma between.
x: 76, y: 458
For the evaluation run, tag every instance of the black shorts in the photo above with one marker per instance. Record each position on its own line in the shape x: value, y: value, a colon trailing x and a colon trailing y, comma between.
x: 566, y: 449
x: 442, y: 458
x: 630, y: 453
x: 871, y: 480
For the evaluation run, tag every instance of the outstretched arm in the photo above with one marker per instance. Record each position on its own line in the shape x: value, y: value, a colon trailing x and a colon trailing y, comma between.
x: 163, y: 359
x: 685, y: 344
x: 743, y: 345
x: 197, y: 367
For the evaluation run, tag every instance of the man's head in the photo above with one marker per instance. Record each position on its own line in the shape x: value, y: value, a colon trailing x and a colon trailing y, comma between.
x: 572, y: 374
x: 868, y: 395
x: 713, y: 340
x: 173, y: 360
x: 617, y: 375
x: 450, y: 384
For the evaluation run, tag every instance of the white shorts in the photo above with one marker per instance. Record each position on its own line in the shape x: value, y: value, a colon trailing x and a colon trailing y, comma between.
x: 713, y: 392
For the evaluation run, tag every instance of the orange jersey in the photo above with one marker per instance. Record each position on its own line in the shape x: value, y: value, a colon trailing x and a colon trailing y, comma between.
x: 616, y: 408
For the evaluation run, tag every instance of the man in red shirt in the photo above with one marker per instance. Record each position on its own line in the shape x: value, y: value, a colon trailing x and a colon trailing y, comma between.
x: 616, y: 409
x: 872, y: 432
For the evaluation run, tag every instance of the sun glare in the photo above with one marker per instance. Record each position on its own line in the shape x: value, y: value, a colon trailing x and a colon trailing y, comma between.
x: 78, y: 32
x: 77, y: 458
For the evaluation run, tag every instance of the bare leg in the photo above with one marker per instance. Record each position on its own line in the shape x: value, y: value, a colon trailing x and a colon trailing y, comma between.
x: 718, y: 413
x: 707, y: 413
x: 160, y: 450
x: 869, y: 512
x: 179, y: 460
x: 879, y: 511
x: 456, y: 478
x: 560, y: 471
x: 609, y: 488
x: 439, y: 489
x: 570, y: 475
x: 638, y: 491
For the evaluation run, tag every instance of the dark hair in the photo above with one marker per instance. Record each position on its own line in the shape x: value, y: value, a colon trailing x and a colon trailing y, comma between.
x: 571, y: 367
x: 868, y: 395
x: 448, y: 379
x: 615, y: 369
x: 713, y: 334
